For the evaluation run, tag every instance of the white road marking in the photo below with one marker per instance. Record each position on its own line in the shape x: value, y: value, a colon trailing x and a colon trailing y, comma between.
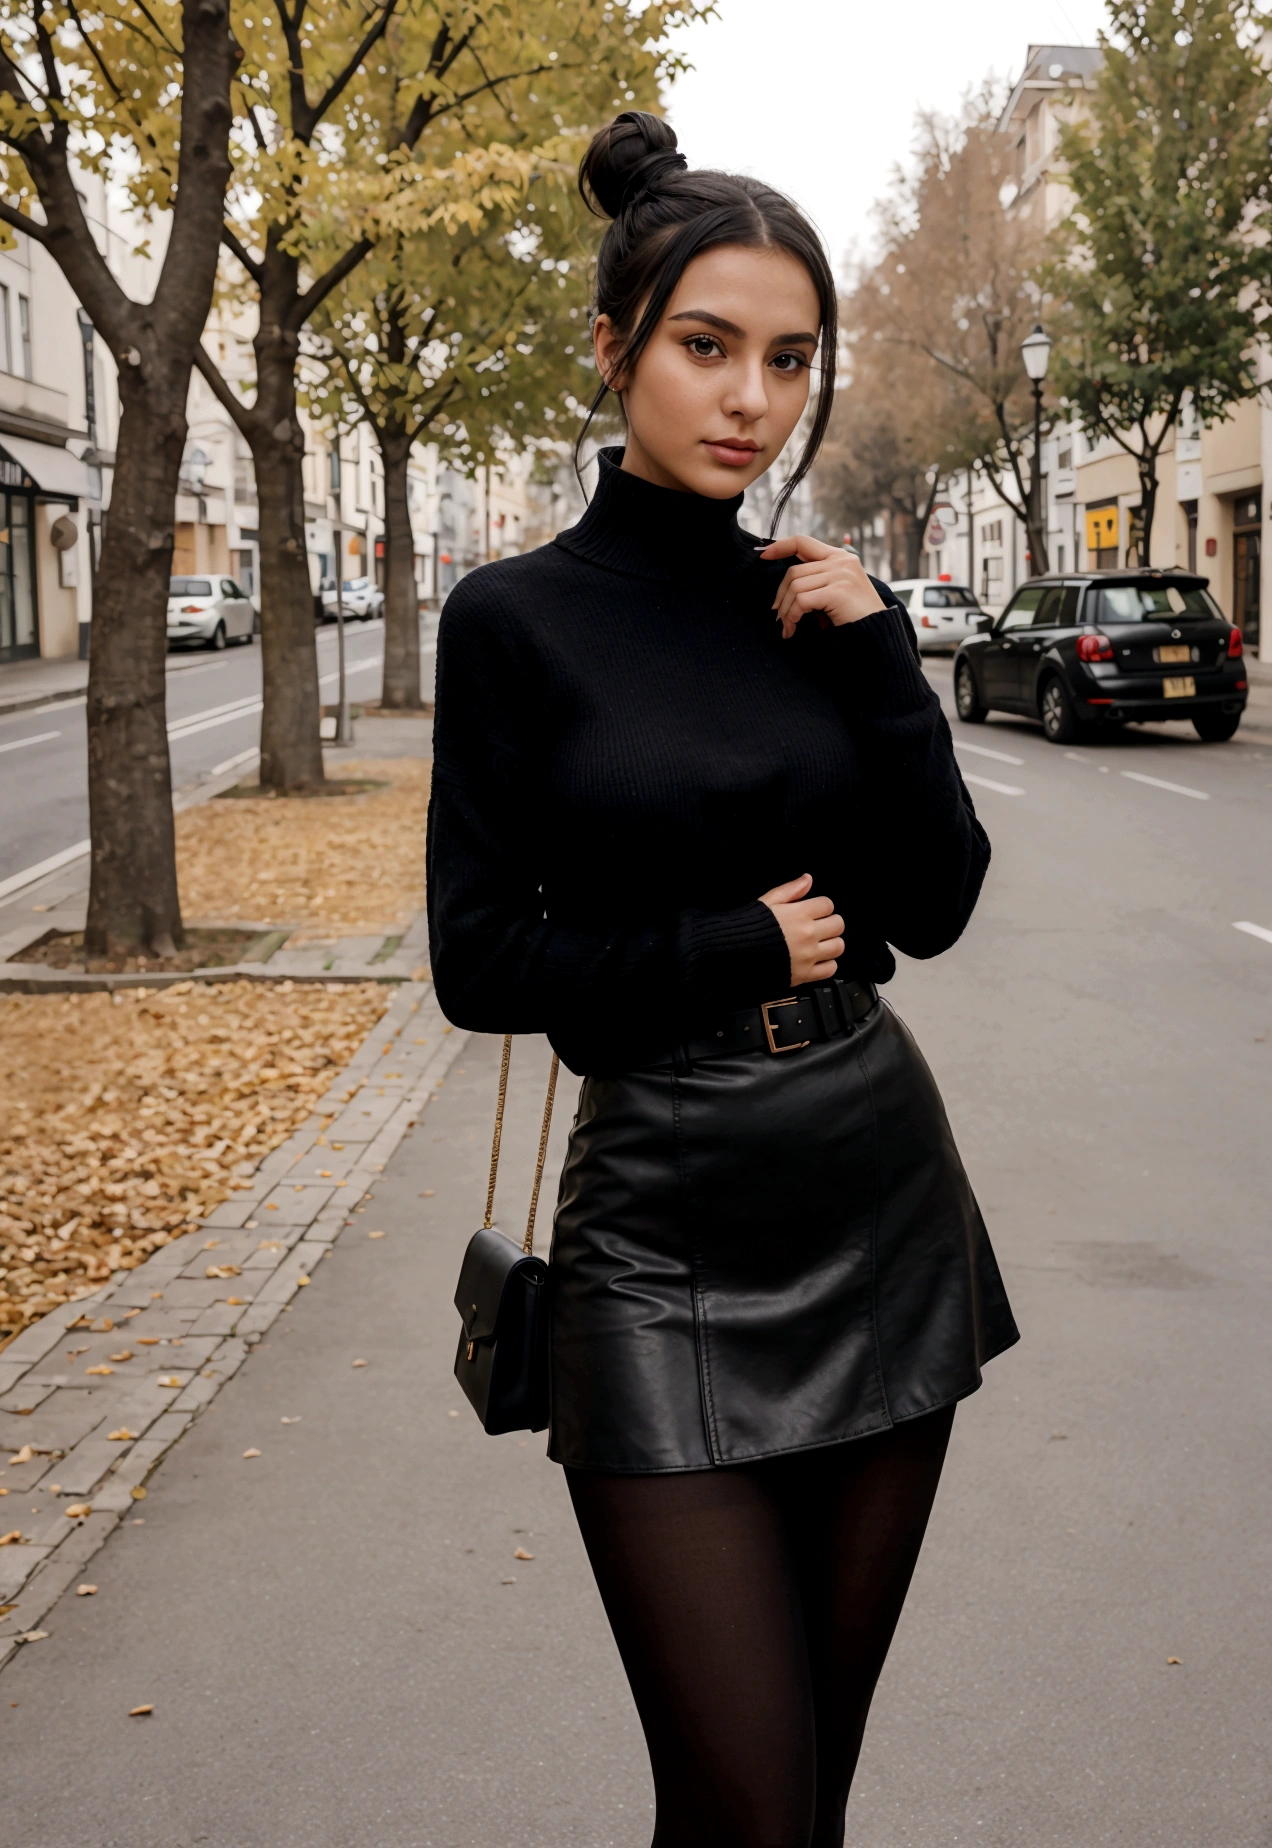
x: 16, y: 881
x: 38, y: 738
x: 54, y: 705
x: 981, y: 750
x: 1255, y: 930
x: 351, y: 667
x: 1176, y: 789
x: 985, y: 782
x: 232, y: 763
x: 186, y: 728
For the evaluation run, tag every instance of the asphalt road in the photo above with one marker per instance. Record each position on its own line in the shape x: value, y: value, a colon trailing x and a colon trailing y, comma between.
x: 213, y: 723
x: 342, y: 1651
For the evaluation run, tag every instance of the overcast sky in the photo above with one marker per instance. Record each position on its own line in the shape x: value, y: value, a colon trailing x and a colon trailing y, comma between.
x: 819, y: 96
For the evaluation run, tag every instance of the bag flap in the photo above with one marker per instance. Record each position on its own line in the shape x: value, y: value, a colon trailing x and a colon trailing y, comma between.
x: 490, y: 1262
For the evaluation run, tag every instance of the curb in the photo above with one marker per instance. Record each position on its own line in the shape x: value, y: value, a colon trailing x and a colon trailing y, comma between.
x: 370, y: 1109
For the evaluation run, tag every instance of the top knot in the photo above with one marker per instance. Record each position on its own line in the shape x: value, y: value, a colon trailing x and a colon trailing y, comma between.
x: 626, y: 161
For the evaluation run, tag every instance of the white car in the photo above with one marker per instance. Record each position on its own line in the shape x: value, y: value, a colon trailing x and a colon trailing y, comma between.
x: 943, y: 614
x: 361, y: 598
x: 208, y: 612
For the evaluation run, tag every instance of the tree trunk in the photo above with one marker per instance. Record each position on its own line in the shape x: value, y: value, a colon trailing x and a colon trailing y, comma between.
x: 1148, y: 506
x: 401, y: 684
x: 291, y: 742
x: 133, y: 902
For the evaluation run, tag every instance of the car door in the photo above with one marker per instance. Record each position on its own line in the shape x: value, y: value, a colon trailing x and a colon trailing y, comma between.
x: 234, y: 609
x: 1002, y: 652
x: 1057, y: 610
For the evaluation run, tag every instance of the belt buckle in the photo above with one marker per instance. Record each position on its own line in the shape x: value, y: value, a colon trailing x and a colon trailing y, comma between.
x: 797, y: 1045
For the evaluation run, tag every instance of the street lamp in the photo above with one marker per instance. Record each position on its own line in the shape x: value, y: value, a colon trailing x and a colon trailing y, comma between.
x: 1035, y: 350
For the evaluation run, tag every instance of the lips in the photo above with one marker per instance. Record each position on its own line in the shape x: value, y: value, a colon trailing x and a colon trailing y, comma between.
x: 734, y: 454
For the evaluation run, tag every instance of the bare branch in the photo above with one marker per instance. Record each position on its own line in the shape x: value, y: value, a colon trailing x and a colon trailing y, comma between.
x: 229, y: 400
x: 318, y: 291
x: 236, y: 248
x: 339, y: 83
x: 10, y: 216
x: 92, y: 49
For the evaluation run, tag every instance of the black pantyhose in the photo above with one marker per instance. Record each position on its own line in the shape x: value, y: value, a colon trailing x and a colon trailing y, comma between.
x: 753, y: 1608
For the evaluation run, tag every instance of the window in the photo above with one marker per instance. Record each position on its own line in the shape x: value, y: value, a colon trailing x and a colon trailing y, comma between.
x: 992, y: 534
x: 1020, y: 613
x: 189, y: 587
x: 24, y: 334
x: 6, y: 331
x: 1058, y: 609
x: 18, y: 633
x: 229, y: 588
x: 948, y: 597
x: 1147, y: 602
x: 1060, y: 557
x: 903, y: 596
x: 1064, y: 460
x: 335, y: 471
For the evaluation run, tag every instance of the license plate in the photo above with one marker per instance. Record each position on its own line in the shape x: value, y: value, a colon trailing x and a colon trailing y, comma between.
x: 1173, y: 651
x: 1182, y: 687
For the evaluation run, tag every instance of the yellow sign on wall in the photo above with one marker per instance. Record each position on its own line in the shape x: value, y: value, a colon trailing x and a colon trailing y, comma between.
x: 1101, y: 529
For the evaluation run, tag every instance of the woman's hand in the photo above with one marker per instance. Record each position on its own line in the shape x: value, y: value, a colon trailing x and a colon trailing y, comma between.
x: 813, y: 930
x: 827, y: 579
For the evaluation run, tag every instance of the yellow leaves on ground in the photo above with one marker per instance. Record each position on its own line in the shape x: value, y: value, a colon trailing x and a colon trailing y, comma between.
x: 331, y: 865
x: 251, y: 1453
x: 125, y: 1118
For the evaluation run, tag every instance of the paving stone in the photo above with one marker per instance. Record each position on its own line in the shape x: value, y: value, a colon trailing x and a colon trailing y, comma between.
x: 326, y: 1163
x: 199, y: 1392
x: 17, y: 1563
x: 59, y: 1569
x: 86, y: 1465
x: 196, y: 1292
x: 294, y: 1205
x: 363, y: 1118
x: 34, y: 1342
x: 26, y: 1396
x: 59, y: 1424
x: 221, y: 1318
x: 253, y: 1322
x: 11, y: 1371
x: 233, y: 1212
x: 282, y: 1160
x: 165, y: 1430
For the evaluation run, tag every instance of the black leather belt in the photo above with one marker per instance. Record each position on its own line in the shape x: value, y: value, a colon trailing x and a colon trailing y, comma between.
x: 786, y: 1025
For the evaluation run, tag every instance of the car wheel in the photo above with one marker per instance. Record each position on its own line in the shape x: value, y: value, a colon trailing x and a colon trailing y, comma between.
x: 1060, y: 723
x: 966, y: 699
x: 218, y: 638
x: 1216, y: 727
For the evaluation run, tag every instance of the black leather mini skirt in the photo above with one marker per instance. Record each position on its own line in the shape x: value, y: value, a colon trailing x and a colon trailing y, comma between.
x: 766, y: 1253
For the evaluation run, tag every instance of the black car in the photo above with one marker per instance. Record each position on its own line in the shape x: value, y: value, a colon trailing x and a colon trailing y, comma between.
x: 1106, y: 646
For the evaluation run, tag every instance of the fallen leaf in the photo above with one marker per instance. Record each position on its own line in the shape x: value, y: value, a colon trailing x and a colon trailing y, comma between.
x: 522, y: 1554
x: 1173, y: 1662
x: 128, y: 1314
x: 11, y: 1538
x: 360, y: 1363
x: 169, y: 1379
x: 123, y: 1355
x: 104, y: 1326
x: 147, y: 1340
x: 21, y: 1456
x: 452, y: 1414
x: 122, y: 1436
x: 301, y: 1281
x: 211, y: 1244
x: 236, y: 1302
x: 337, y: 1145
x: 511, y: 1581
x: 6, y: 1608
x: 135, y: 1713
x: 86, y: 1591
x: 138, y: 1494
x: 54, y: 1488
x: 223, y: 1270
x: 295, y: 1420
x: 428, y: 1193
x: 250, y: 1225
x: 251, y: 1453
x: 324, y: 1174
x: 78, y: 1510
x: 270, y: 1207
x: 375, y: 1235
x: 99, y: 1369
x: 32, y: 1636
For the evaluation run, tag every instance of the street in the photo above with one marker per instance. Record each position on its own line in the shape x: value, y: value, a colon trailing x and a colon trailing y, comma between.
x: 340, y: 1647
x: 213, y: 724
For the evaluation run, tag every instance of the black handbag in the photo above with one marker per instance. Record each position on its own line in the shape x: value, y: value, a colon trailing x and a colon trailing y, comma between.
x: 502, y: 1298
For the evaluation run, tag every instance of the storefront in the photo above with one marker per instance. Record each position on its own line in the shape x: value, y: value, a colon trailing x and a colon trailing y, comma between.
x: 19, y: 620
x: 1247, y: 520
x: 38, y: 565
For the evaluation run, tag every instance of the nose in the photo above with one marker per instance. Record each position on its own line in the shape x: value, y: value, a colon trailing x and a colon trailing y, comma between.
x: 746, y: 396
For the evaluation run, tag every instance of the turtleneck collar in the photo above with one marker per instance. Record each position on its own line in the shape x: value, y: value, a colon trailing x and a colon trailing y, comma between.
x: 635, y: 527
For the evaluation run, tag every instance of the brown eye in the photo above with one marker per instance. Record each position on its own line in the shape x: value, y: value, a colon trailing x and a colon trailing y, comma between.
x: 702, y: 346
x: 790, y: 362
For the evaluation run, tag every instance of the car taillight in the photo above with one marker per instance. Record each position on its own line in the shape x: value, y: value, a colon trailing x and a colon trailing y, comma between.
x: 927, y: 623
x: 1236, y: 647
x: 192, y: 609
x: 1094, y: 647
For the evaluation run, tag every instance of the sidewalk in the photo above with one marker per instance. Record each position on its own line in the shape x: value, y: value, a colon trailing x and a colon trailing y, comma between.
x: 31, y: 683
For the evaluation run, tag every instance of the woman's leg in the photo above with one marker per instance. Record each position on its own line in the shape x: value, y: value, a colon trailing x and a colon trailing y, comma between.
x: 695, y: 1572
x: 856, y: 1516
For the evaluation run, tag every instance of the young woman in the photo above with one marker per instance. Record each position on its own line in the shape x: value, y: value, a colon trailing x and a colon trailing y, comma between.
x: 688, y: 788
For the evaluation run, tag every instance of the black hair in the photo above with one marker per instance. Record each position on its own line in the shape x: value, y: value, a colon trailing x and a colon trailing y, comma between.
x: 664, y: 214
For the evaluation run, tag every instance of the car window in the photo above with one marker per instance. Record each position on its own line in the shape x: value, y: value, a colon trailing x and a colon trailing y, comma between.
x: 1153, y: 602
x: 903, y: 595
x: 948, y: 597
x: 1020, y: 614
x: 229, y: 588
x: 1058, y: 609
x: 189, y: 587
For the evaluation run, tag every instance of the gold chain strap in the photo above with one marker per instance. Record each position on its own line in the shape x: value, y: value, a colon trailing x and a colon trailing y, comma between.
x: 528, y: 1242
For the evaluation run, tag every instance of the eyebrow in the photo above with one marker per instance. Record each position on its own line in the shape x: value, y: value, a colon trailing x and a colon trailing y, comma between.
x: 729, y: 327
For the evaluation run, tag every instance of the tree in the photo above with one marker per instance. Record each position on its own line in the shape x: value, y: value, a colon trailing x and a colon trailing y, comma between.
x: 363, y: 119
x: 955, y: 286
x: 1163, y: 273
x: 105, y: 92
x: 473, y: 339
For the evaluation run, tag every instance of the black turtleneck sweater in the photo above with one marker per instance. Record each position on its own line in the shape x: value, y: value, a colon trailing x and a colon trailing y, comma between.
x: 626, y: 754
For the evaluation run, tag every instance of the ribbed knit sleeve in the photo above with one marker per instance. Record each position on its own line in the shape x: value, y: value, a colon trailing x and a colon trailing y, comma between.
x: 915, y: 794
x: 499, y: 963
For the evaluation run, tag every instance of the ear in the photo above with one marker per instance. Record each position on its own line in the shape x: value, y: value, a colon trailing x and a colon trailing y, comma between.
x: 606, y: 346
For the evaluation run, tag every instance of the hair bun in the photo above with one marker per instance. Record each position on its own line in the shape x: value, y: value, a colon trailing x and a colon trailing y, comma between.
x: 626, y: 160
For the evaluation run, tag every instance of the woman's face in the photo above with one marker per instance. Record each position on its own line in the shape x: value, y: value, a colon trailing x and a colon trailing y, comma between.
x: 723, y: 380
